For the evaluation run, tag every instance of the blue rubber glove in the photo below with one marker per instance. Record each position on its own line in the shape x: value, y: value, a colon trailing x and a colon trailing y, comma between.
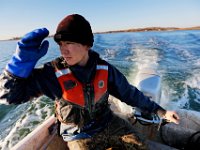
x: 29, y: 50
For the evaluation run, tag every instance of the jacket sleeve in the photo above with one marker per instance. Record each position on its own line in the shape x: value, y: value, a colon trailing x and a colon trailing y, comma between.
x: 42, y: 81
x: 119, y: 87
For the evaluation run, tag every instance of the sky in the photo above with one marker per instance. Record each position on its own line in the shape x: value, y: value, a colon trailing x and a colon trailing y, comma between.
x: 21, y: 16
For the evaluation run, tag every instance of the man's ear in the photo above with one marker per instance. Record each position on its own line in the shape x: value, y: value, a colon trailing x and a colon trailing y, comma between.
x: 87, y: 47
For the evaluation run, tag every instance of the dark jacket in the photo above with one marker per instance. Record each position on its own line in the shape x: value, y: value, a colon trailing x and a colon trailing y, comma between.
x: 43, y: 81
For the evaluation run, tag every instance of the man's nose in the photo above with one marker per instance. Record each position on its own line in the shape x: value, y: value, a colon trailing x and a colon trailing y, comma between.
x: 64, y: 50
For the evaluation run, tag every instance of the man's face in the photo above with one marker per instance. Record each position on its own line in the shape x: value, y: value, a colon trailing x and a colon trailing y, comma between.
x: 74, y: 53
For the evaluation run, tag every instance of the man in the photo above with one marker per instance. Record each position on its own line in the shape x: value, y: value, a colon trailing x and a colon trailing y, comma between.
x: 80, y: 82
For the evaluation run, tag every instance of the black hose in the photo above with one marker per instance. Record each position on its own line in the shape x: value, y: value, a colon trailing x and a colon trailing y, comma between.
x: 161, y: 136
x: 193, y: 143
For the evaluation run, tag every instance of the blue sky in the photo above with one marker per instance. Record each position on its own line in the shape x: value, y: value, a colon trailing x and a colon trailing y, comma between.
x: 21, y: 16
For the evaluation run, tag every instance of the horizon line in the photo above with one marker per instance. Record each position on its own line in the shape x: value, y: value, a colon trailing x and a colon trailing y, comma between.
x: 142, y: 29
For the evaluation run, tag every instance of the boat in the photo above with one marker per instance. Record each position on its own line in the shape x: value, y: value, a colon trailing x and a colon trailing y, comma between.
x: 160, y: 134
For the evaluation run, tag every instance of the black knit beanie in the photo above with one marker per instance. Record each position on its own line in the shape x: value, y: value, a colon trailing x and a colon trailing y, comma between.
x: 74, y: 28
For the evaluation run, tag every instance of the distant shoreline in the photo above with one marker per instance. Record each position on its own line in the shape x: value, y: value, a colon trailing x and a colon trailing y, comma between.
x: 134, y: 30
x: 152, y: 29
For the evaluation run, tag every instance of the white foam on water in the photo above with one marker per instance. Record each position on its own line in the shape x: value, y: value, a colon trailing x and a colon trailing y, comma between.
x: 182, y: 102
x: 110, y: 53
x: 149, y: 59
x: 194, y: 80
x: 181, y: 51
x: 197, y: 62
x: 33, y: 116
x: 145, y: 57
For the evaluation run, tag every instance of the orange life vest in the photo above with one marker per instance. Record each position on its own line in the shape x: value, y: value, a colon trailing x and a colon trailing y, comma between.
x: 73, y: 89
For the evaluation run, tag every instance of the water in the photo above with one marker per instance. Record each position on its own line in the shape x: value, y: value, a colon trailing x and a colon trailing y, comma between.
x: 175, y: 55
